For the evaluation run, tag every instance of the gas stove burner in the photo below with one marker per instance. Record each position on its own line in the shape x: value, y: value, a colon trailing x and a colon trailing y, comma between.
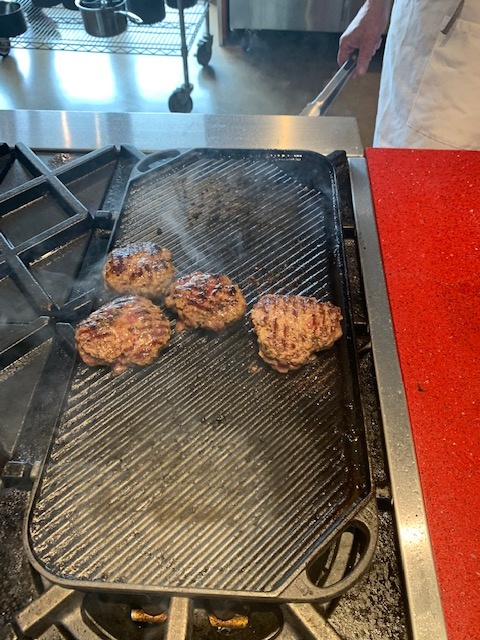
x: 112, y: 619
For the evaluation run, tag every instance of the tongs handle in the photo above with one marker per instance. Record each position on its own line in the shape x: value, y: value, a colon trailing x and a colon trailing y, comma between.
x: 325, y: 98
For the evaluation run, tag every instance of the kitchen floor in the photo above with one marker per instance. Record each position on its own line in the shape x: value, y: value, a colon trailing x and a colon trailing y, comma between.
x: 270, y: 73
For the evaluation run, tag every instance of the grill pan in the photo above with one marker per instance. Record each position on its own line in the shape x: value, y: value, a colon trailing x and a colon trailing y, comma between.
x: 208, y: 473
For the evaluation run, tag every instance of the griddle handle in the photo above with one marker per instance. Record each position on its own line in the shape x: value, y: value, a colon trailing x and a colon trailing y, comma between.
x: 302, y: 589
x: 154, y: 160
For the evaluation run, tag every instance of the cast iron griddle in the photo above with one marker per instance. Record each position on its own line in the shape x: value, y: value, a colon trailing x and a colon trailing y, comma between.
x: 208, y: 472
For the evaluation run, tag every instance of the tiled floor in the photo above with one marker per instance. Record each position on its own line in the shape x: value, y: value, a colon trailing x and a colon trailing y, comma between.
x: 278, y: 73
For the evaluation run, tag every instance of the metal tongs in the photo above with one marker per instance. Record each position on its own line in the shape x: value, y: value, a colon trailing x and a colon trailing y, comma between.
x: 325, y: 98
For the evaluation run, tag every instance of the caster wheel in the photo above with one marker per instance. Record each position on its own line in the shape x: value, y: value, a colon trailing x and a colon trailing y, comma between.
x: 180, y: 101
x: 246, y: 41
x: 204, y: 51
x: 4, y: 47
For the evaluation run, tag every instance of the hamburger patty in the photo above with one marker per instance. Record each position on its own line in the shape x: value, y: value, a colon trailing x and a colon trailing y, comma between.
x: 129, y: 330
x: 290, y: 329
x: 141, y: 268
x: 206, y: 300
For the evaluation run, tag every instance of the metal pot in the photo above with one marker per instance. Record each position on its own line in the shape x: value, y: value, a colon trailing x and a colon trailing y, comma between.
x: 105, y: 18
x: 12, y: 20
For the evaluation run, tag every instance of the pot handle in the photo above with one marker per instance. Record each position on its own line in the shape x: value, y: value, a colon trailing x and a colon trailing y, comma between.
x: 131, y: 16
x: 302, y: 589
x: 128, y: 14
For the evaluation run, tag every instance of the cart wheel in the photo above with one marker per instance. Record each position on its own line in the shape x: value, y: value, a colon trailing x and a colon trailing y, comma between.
x: 180, y: 101
x: 204, y: 51
x: 246, y: 41
x: 4, y: 47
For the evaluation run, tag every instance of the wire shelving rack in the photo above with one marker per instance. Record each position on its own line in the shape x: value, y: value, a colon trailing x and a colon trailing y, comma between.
x: 59, y: 28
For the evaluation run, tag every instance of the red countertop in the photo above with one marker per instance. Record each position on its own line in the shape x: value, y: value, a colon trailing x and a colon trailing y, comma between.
x: 427, y: 208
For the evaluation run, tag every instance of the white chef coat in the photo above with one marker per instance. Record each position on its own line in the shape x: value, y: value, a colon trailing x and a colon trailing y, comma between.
x: 430, y: 85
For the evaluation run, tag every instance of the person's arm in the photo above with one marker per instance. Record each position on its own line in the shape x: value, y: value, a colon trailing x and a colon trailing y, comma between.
x: 364, y: 34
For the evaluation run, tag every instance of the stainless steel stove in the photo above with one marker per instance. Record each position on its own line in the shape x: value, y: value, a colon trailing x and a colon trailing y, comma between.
x: 85, y: 178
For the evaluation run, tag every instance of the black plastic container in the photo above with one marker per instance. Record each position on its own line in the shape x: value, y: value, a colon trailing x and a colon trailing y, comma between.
x: 12, y: 20
x: 186, y: 3
x: 70, y: 4
x: 150, y: 11
x: 45, y: 3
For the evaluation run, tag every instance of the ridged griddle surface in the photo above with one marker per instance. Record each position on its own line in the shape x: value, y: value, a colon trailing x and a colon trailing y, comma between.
x: 208, y: 471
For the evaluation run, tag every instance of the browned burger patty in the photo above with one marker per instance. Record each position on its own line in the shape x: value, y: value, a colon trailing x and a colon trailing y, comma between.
x: 129, y: 330
x: 290, y: 329
x: 140, y: 268
x: 206, y: 300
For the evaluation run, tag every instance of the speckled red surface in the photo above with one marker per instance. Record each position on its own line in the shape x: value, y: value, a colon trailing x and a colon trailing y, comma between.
x: 427, y: 206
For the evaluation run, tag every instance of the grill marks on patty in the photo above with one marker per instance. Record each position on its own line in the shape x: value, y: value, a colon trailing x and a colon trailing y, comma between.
x: 140, y: 268
x: 129, y: 330
x: 206, y: 300
x: 290, y: 329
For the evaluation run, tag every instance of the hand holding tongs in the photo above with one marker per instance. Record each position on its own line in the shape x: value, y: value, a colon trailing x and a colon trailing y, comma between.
x: 325, y: 98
